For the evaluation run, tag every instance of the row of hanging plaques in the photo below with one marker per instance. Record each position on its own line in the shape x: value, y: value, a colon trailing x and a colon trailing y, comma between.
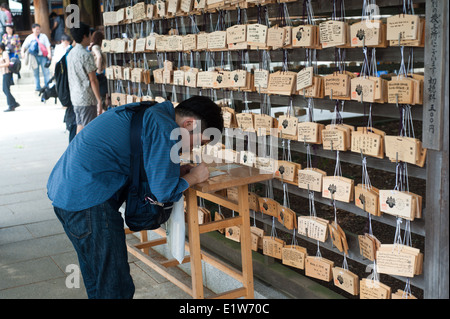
x: 336, y: 137
x: 398, y: 260
x: 339, y: 85
x: 399, y: 30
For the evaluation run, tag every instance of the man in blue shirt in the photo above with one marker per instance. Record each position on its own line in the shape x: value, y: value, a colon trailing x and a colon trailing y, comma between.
x: 96, y: 165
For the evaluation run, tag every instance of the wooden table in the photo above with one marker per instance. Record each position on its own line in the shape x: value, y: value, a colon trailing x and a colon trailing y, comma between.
x: 231, y: 175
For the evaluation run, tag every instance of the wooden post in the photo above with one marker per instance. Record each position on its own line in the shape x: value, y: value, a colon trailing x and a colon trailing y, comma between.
x: 41, y: 16
x: 246, y: 241
x: 436, y: 94
x: 194, y: 244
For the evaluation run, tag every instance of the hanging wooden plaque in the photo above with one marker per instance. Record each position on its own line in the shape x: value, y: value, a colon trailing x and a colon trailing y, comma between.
x: 268, y: 206
x: 294, y: 256
x: 273, y: 246
x: 346, y: 280
x: 319, y: 268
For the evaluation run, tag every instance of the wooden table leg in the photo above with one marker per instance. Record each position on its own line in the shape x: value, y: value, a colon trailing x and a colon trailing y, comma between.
x: 194, y: 244
x: 246, y: 241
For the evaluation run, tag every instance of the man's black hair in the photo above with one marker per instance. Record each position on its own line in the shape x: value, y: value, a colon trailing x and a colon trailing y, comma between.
x: 79, y: 33
x: 204, y: 109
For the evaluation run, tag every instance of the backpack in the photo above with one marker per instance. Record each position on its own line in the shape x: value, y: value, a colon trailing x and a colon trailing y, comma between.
x: 34, y: 47
x: 142, y: 211
x: 15, y: 65
x: 62, y: 81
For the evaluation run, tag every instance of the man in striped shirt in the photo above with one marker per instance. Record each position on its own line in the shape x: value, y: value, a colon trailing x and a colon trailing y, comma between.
x: 96, y: 165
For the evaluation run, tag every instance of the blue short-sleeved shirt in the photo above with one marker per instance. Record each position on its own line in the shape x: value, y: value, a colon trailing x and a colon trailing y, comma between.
x: 96, y: 163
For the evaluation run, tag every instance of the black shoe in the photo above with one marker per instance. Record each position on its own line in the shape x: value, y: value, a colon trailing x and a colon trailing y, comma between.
x: 9, y: 110
x: 17, y: 105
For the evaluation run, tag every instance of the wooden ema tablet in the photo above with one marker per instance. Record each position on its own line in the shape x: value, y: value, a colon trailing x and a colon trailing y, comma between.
x: 333, y: 33
x: 264, y: 124
x: 311, y: 178
x: 305, y: 78
x: 253, y: 201
x: 338, y: 85
x: 294, y: 256
x: 401, y: 91
x: 189, y: 42
x: 336, y: 138
x: 268, y: 206
x: 405, y: 149
x: 245, y: 121
x: 275, y: 37
x: 221, y: 79
x: 316, y: 90
x: 369, y: 289
x: 346, y: 280
x: 367, y: 142
x: 204, y: 215
x: 202, y: 41
x: 229, y: 117
x: 338, y: 237
x: 236, y: 34
x: 219, y: 216
x: 399, y: 260
x: 257, y: 35
x: 313, y: 227
x: 367, y: 199
x: 282, y: 83
x: 266, y: 164
x: 288, y: 125
x: 338, y: 188
x: 287, y: 217
x: 272, y: 247
x: 362, y: 89
x: 305, y: 36
x: 403, y: 27
x: 319, y: 268
x: 287, y: 171
x: 397, y: 203
x: 261, y: 80
x: 247, y: 158
x: 310, y: 132
x: 368, y: 33
x: 419, y: 42
x: 368, y: 246
x: 400, y: 294
x: 233, y: 233
x: 257, y: 237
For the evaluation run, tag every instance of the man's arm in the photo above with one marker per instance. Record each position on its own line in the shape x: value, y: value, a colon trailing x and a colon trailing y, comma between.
x: 96, y: 90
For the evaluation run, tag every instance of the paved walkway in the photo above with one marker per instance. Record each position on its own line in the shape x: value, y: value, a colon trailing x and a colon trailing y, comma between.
x: 35, y: 254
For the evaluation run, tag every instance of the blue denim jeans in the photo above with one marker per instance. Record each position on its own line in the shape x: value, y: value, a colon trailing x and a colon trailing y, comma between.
x: 41, y: 60
x: 98, y: 235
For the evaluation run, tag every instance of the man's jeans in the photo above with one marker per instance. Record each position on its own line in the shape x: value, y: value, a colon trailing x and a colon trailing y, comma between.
x: 41, y: 60
x: 98, y: 235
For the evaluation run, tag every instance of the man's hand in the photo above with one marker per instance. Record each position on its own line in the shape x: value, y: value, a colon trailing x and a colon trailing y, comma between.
x: 197, y: 174
x: 99, y: 107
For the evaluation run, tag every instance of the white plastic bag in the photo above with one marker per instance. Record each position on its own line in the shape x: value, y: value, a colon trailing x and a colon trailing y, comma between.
x: 175, y: 230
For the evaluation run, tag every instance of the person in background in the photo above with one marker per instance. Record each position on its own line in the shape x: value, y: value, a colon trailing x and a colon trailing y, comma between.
x: 42, y: 54
x: 12, y: 42
x: 7, y: 79
x: 57, y: 26
x: 5, y: 8
x: 100, y: 62
x: 60, y: 50
x: 83, y: 83
x: 3, y: 19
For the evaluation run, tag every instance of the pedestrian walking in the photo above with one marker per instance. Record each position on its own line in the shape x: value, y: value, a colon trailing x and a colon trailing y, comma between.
x: 7, y: 79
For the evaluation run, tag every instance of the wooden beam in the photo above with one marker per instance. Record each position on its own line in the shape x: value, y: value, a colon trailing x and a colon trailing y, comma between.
x: 211, y: 226
x: 41, y: 16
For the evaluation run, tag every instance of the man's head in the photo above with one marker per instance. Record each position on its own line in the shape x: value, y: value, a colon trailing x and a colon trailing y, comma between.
x: 198, y: 114
x: 81, y: 34
x: 36, y: 28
